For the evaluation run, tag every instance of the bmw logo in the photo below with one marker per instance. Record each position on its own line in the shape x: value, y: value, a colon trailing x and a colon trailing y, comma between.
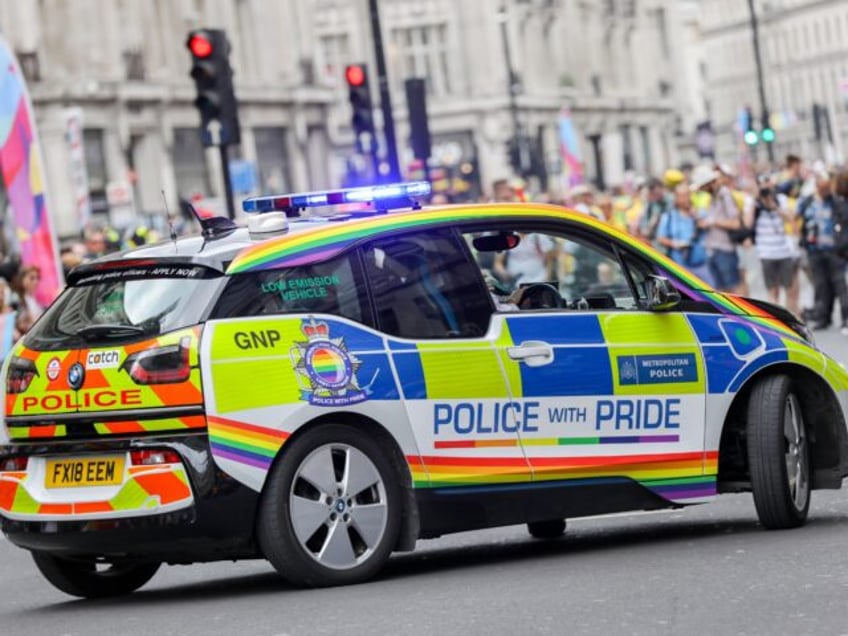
x: 76, y: 376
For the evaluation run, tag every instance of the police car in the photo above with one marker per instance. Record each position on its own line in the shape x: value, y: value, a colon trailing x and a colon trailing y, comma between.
x: 323, y: 390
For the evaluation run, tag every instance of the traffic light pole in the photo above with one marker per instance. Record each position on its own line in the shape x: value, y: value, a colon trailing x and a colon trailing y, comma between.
x: 759, y: 62
x: 385, y: 97
x: 520, y: 141
x: 228, y: 184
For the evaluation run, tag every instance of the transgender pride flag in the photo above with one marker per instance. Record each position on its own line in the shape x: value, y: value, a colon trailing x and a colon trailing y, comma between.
x: 20, y: 162
x: 569, y: 151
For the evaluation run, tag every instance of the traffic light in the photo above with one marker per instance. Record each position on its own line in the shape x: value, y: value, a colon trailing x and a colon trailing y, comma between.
x: 767, y: 132
x: 751, y: 137
x: 213, y: 78
x: 362, y: 118
x: 419, y: 126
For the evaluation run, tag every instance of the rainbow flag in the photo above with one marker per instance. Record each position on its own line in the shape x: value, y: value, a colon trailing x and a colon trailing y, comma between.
x: 21, y: 164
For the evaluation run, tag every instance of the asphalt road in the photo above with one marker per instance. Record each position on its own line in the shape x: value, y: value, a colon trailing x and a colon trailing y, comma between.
x: 707, y: 569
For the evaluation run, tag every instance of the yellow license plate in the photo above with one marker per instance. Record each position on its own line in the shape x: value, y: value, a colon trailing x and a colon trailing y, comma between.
x: 103, y: 470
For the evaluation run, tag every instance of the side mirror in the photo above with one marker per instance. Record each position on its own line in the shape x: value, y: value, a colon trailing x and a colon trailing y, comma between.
x: 661, y: 293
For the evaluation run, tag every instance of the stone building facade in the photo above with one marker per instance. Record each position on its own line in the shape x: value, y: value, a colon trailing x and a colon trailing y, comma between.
x: 614, y: 63
x: 804, y: 50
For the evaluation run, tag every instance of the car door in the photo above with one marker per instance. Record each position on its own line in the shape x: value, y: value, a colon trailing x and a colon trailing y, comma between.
x: 431, y: 303
x: 619, y: 389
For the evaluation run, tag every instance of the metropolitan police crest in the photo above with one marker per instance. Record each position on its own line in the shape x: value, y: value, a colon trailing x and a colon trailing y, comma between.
x: 326, y: 370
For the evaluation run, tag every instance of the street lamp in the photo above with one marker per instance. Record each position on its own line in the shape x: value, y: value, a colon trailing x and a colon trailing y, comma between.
x: 519, y: 141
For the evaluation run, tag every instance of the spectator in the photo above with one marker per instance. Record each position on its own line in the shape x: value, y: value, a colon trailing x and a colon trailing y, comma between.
x: 792, y: 180
x: 612, y: 215
x: 531, y: 261
x: 818, y: 236
x: 774, y: 246
x: 722, y: 217
x: 657, y: 203
x: 679, y: 233
x: 95, y: 243
x: 25, y: 284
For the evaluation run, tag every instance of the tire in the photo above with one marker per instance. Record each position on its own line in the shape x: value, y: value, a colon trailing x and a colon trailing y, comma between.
x: 778, y: 454
x: 84, y: 579
x: 318, y: 527
x: 549, y: 529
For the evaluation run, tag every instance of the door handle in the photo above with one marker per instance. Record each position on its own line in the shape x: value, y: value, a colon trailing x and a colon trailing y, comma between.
x: 533, y: 353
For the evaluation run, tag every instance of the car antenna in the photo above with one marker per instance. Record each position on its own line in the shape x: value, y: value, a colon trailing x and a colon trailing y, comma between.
x: 170, y: 220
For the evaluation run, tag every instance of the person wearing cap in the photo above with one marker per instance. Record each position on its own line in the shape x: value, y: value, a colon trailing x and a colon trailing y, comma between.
x: 722, y: 217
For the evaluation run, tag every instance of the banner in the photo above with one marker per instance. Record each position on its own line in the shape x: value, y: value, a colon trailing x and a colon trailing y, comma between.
x: 79, y: 172
x: 569, y: 151
x: 20, y: 162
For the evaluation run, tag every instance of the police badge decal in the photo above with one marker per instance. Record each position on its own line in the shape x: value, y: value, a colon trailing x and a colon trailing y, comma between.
x: 325, y: 369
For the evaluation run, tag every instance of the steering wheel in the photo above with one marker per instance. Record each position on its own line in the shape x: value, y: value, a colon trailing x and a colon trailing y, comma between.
x: 541, y: 296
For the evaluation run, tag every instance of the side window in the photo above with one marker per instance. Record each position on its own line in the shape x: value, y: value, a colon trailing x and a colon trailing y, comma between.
x: 331, y: 287
x: 424, y: 286
x: 585, y: 275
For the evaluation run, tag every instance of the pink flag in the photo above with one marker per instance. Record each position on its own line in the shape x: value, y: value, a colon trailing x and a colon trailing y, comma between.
x: 20, y: 162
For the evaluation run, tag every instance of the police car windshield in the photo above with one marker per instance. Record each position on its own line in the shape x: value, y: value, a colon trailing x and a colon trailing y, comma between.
x: 125, y: 305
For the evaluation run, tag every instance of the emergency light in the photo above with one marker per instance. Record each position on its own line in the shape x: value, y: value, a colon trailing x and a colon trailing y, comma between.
x: 393, y: 195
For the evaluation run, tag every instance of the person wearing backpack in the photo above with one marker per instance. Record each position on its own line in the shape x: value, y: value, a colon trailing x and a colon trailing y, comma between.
x: 774, y: 247
x: 819, y: 231
x: 723, y: 218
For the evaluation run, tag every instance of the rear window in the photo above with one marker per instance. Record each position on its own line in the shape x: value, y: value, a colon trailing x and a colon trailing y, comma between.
x: 333, y: 287
x: 123, y: 305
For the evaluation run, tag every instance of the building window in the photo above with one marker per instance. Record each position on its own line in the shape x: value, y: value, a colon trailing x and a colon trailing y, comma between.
x: 134, y: 65
x: 334, y: 52
x: 272, y: 159
x: 95, y: 164
x: 30, y: 66
x: 423, y: 52
x: 190, y: 169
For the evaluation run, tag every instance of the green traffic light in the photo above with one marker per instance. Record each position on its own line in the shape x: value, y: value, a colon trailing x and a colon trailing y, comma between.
x: 768, y: 135
x: 751, y: 137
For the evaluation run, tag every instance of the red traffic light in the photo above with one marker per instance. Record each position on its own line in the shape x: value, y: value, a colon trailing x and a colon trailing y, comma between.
x: 355, y: 75
x: 199, y: 45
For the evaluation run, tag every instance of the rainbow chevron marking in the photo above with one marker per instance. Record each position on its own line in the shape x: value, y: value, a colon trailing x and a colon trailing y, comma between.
x: 655, y: 469
x: 321, y: 242
x: 559, y: 441
x: 244, y: 443
x: 686, y: 488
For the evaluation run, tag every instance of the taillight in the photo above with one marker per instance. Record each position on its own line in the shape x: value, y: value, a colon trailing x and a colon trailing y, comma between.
x: 20, y: 374
x: 162, y: 365
x: 13, y: 464
x: 149, y: 457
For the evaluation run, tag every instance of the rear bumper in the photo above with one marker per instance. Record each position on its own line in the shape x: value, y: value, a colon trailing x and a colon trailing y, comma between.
x: 212, y: 518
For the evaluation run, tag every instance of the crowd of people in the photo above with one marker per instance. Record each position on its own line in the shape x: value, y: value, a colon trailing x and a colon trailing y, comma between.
x: 721, y: 224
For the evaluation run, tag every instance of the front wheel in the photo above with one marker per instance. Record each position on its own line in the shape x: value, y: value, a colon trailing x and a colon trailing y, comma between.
x: 88, y: 579
x: 778, y: 454
x: 331, y: 511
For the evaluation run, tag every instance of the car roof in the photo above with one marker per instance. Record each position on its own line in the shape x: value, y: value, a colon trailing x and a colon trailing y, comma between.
x: 312, y: 239
x: 322, y: 241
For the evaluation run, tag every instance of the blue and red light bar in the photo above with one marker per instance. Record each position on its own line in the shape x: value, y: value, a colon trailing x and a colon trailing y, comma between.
x: 394, y: 194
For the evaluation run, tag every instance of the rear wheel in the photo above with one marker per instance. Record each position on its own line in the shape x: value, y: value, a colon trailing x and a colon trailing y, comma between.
x: 778, y: 454
x: 89, y: 579
x: 331, y: 510
x: 549, y: 529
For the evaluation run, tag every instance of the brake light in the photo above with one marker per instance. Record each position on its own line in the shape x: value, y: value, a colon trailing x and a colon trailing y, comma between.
x: 13, y: 464
x: 162, y: 365
x: 150, y: 457
x: 20, y: 374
